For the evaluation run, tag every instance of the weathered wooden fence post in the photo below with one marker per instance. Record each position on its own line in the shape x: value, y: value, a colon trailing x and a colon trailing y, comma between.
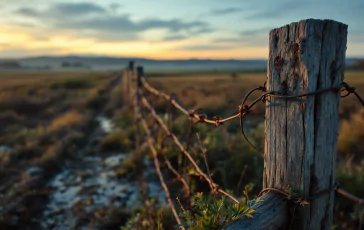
x: 301, y: 134
x: 127, y: 85
x: 136, y: 103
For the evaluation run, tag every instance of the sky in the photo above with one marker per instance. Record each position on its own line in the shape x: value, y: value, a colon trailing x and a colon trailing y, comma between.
x: 163, y: 29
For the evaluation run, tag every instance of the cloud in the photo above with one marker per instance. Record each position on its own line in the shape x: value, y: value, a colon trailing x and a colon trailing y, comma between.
x: 71, y: 9
x: 275, y: 10
x: 252, y: 38
x: 115, y: 6
x: 204, y: 47
x: 24, y: 24
x: 229, y: 40
x: 123, y: 23
x: 203, y: 29
x: 226, y: 11
x: 174, y: 37
x: 27, y: 11
x: 88, y: 19
x: 62, y: 11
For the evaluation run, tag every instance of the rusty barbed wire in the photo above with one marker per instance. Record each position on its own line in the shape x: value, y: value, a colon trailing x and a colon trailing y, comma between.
x: 190, y: 113
x: 157, y: 168
x: 214, y: 187
x: 178, y: 176
x: 171, y: 168
x: 244, y: 109
x: 203, y: 150
x: 304, y: 201
x: 351, y: 90
x: 348, y: 195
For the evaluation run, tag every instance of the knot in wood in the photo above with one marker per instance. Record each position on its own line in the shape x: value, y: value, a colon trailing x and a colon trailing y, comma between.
x: 295, y: 50
x: 278, y: 62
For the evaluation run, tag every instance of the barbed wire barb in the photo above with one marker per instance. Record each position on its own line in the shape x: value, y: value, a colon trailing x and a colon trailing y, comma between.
x: 244, y: 110
x: 157, y: 168
x: 213, y: 185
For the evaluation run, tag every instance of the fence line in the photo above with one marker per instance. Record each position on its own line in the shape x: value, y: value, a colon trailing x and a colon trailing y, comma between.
x: 244, y: 109
x: 214, y: 187
x: 190, y: 113
x: 157, y: 167
x: 156, y: 92
x: 179, y: 177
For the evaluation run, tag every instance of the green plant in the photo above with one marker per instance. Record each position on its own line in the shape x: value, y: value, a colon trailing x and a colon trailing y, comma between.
x: 211, y: 213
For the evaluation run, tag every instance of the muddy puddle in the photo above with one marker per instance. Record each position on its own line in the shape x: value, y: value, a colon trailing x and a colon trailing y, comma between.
x: 88, y: 186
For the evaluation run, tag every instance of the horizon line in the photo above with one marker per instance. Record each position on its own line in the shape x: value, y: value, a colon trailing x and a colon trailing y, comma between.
x: 146, y: 58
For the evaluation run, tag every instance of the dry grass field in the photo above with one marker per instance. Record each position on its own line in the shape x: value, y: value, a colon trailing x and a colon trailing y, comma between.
x: 46, y: 117
x: 220, y: 94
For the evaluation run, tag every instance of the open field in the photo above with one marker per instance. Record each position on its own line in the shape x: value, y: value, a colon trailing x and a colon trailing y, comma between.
x: 48, y: 122
x: 220, y: 94
x: 45, y: 117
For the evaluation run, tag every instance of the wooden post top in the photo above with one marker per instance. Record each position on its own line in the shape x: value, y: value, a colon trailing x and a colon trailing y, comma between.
x: 131, y: 65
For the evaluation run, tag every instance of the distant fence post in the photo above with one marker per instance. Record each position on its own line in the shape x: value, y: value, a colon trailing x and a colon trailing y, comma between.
x: 301, y: 134
x: 127, y: 83
x: 136, y: 103
x: 131, y: 84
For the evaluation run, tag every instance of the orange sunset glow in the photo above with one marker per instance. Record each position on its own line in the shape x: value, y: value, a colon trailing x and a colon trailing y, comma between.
x: 157, y: 31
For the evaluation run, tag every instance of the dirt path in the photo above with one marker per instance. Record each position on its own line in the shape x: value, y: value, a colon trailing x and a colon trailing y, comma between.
x: 87, y: 193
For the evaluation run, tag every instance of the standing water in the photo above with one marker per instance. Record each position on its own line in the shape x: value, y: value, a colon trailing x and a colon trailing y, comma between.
x: 88, y: 185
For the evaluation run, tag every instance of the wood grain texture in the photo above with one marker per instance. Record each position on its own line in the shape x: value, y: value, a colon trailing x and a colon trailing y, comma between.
x: 126, y: 82
x: 137, y: 74
x: 301, y: 134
